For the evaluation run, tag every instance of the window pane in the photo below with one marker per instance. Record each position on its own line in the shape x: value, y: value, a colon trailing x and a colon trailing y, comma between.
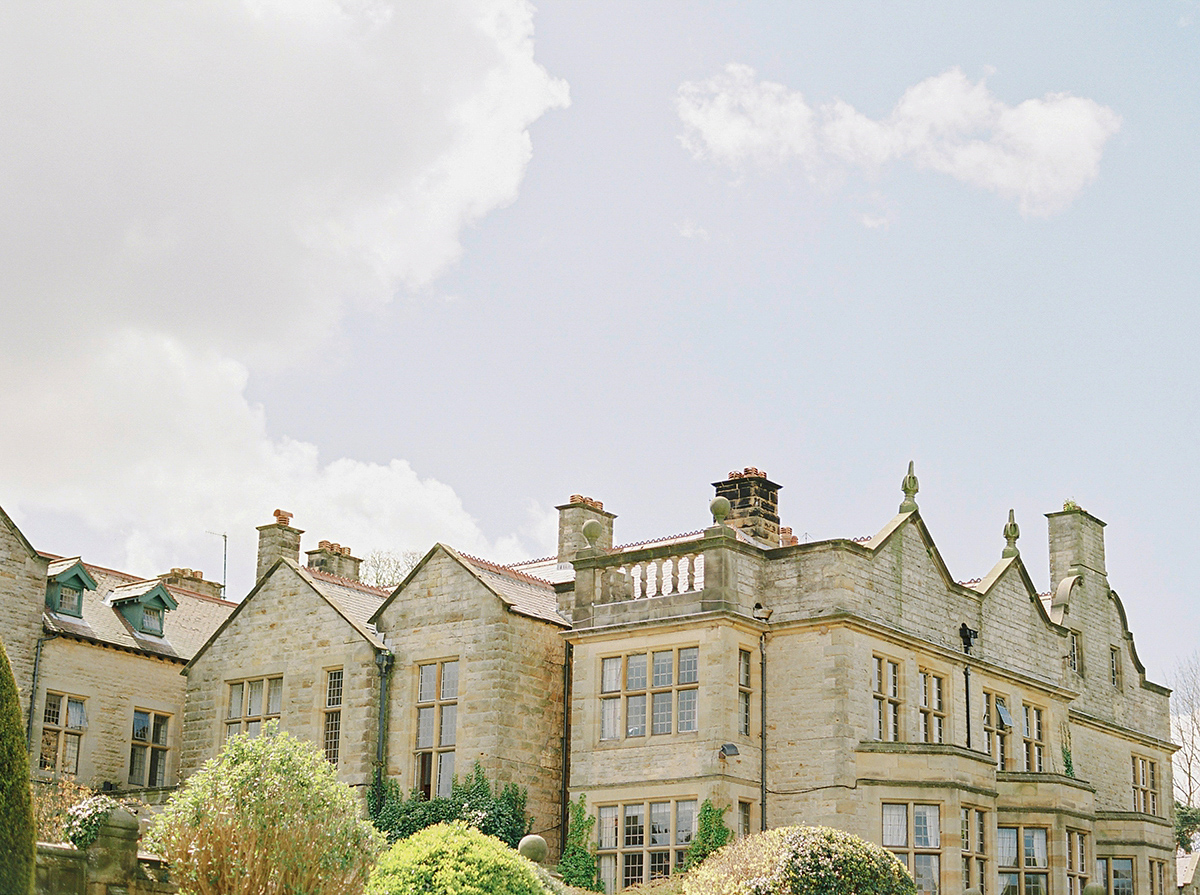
x: 254, y: 695
x: 1122, y: 876
x: 450, y: 680
x: 425, y: 728
x: 333, y: 735
x: 687, y: 709
x: 1006, y: 846
x: 635, y: 716
x: 426, y: 683
x: 744, y: 713
x: 610, y: 719
x: 895, y: 825
x: 53, y: 709
x: 152, y: 620
x: 608, y: 872
x: 685, y: 821
x: 660, y: 864
x: 660, y: 823
x: 445, y: 774
x: 635, y: 672
x: 160, y: 729
x: 744, y: 668
x: 76, y: 719
x: 49, y: 754
x: 633, y: 869
x: 449, y: 720
x: 1009, y: 884
x: 926, y: 829
x: 689, y: 665
x: 661, y: 713
x: 253, y: 728
x: 607, y: 830
x: 141, y: 725
x: 610, y: 675
x: 235, y: 701
x: 137, y: 765
x: 1035, y: 848
x: 925, y: 872
x: 981, y: 832
x: 1036, y: 884
x: 274, y: 695
x: 664, y: 668
x: 333, y: 689
x: 635, y: 825
x: 158, y: 767
x: 70, y: 762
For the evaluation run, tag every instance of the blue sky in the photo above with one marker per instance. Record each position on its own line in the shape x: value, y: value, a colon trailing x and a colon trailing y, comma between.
x: 420, y: 275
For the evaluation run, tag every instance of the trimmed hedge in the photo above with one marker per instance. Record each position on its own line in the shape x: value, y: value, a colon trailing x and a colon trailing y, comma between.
x: 17, y: 829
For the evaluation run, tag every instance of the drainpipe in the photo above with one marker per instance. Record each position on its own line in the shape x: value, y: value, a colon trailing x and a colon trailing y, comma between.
x: 762, y: 771
x: 384, y: 660
x: 37, y: 658
x: 565, y: 807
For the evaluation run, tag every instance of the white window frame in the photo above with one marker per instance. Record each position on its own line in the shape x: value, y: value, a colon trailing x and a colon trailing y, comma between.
x: 1077, y: 861
x: 241, y: 713
x: 914, y: 843
x: 1016, y: 878
x: 887, y: 689
x: 652, y: 699
x: 974, y: 846
x: 64, y: 720
x: 331, y: 727
x: 625, y: 857
x: 1033, y: 736
x: 1145, y: 784
x: 149, y: 748
x: 438, y: 682
x: 933, y: 706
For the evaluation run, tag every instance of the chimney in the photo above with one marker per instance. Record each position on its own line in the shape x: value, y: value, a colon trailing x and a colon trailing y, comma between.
x: 277, y: 541
x: 334, y: 559
x: 193, y: 580
x: 753, y: 502
x: 1076, y: 543
x: 571, y: 518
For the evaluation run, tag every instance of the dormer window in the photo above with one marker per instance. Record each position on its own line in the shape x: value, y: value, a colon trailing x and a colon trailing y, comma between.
x: 152, y: 620
x: 66, y: 581
x: 69, y: 600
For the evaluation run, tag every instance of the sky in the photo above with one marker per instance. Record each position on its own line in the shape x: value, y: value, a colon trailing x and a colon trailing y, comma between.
x: 419, y: 272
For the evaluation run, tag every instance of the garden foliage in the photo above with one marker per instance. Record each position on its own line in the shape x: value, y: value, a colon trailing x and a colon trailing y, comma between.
x: 454, y: 859
x: 85, y: 819
x: 16, y: 807
x: 711, y: 833
x: 801, y: 861
x: 578, y: 864
x: 52, y: 800
x: 267, y: 816
x: 494, y: 810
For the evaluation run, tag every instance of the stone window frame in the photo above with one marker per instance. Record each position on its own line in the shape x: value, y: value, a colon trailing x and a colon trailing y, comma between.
x: 626, y: 856
x: 1077, y: 861
x: 932, y: 707
x: 1033, y: 737
x: 149, y: 748
x: 745, y: 809
x: 251, y: 718
x: 1016, y: 878
x: 1158, y: 877
x: 639, y: 689
x: 1115, y: 670
x: 744, y: 698
x: 436, y: 725
x: 65, y: 729
x: 887, y: 689
x: 331, y: 726
x: 917, y: 847
x: 1075, y: 652
x: 1106, y: 874
x: 973, y: 822
x: 1146, y: 782
x: 996, y: 727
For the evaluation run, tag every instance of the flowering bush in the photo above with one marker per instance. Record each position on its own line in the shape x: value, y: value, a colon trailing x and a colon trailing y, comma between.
x: 800, y: 861
x: 84, y: 820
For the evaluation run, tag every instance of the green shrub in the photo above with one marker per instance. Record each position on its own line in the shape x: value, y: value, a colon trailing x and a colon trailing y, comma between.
x: 16, y: 807
x: 492, y: 809
x: 454, y: 859
x: 711, y: 833
x: 84, y: 820
x: 578, y: 864
x: 801, y: 861
x: 267, y: 816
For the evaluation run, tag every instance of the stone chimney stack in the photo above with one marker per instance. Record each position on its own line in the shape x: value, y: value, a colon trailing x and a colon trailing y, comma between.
x: 277, y: 541
x: 571, y: 517
x: 334, y: 559
x: 193, y: 580
x: 754, y: 504
x: 1076, y: 544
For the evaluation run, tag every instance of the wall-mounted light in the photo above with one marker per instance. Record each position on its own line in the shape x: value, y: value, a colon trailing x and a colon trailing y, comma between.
x: 727, y: 750
x: 762, y: 613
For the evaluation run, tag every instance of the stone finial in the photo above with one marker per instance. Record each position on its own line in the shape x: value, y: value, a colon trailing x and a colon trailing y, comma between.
x: 910, y: 487
x: 592, y: 529
x: 719, y: 508
x: 533, y: 847
x: 283, y: 517
x: 1012, y: 531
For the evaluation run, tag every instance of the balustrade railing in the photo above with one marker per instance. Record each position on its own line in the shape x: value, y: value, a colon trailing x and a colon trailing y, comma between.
x: 652, y: 576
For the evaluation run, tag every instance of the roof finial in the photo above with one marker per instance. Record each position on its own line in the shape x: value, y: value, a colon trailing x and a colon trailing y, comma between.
x: 910, y: 488
x: 720, y: 509
x: 1012, y: 531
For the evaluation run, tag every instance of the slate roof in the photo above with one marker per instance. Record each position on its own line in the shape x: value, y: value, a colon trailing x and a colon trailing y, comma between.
x: 525, y: 594
x: 185, y: 629
x: 356, y: 602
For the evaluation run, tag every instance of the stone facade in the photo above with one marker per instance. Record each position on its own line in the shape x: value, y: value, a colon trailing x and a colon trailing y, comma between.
x: 877, y: 719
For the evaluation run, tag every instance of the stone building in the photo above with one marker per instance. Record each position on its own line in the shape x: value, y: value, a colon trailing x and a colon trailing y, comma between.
x: 461, y: 663
x: 97, y: 655
x: 990, y: 736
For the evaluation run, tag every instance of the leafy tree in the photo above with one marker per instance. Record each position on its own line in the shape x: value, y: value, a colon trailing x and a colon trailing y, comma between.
x: 1187, y: 825
x: 386, y: 568
x: 454, y: 859
x: 267, y: 816
x: 17, y: 842
x: 1185, y: 729
x: 711, y: 833
x: 578, y: 864
x: 492, y: 809
x: 801, y: 861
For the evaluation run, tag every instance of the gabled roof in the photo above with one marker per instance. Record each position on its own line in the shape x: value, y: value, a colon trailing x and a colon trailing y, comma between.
x: 149, y: 592
x: 6, y: 522
x: 185, y: 629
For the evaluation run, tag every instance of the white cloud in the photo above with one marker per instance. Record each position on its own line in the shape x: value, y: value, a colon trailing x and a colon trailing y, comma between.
x: 1040, y: 153
x: 873, y: 221
x: 689, y: 229
x: 193, y: 191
